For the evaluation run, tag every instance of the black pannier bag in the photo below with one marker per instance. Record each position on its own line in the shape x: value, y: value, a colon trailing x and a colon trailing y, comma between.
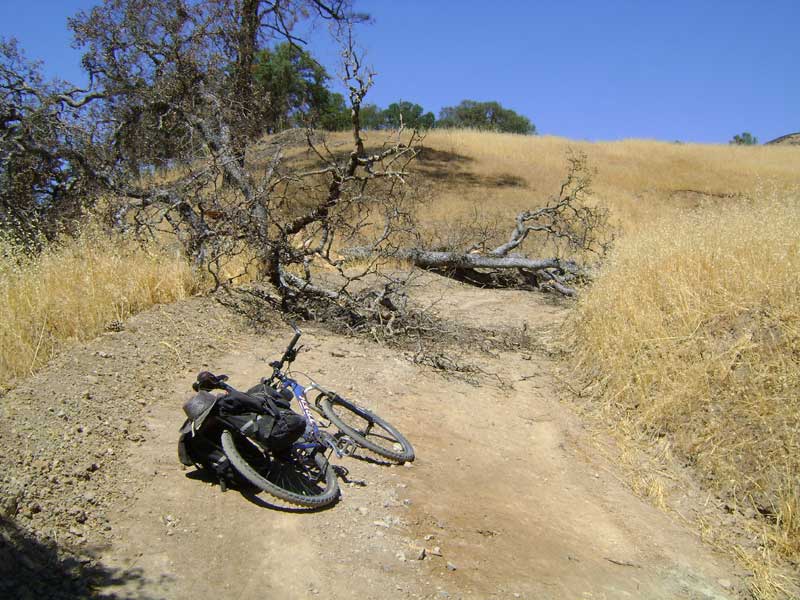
x: 278, y: 432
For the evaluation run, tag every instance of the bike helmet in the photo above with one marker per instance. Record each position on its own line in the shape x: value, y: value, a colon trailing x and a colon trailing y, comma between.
x: 198, y: 407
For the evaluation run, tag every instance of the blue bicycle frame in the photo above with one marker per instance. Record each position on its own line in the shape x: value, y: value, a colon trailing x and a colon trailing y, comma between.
x: 300, y: 392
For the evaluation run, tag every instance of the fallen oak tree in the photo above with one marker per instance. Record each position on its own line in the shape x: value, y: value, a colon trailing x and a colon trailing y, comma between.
x: 568, y: 219
x: 170, y: 157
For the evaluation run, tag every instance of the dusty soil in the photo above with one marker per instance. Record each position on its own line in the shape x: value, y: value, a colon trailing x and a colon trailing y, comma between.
x: 509, y: 497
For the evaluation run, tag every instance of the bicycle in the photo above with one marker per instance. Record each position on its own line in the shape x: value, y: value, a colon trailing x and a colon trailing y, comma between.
x: 345, y: 415
x: 303, y: 475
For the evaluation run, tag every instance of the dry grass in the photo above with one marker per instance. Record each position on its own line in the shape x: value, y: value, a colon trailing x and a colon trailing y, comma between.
x: 74, y: 290
x: 693, y: 332
x: 638, y: 179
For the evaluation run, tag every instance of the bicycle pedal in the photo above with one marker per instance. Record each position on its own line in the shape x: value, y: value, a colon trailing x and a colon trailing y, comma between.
x: 347, y: 446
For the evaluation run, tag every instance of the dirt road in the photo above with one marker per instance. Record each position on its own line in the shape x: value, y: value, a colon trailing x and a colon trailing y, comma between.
x: 507, y: 496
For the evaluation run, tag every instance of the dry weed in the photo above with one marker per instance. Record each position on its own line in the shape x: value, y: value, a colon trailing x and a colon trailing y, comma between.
x: 75, y: 289
x: 693, y: 329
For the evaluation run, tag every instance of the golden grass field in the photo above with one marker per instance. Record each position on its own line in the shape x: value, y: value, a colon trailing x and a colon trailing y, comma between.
x: 74, y: 290
x: 690, y: 333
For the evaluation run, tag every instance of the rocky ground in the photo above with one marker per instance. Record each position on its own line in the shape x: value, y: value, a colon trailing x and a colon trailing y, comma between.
x: 508, y: 498
x: 67, y: 431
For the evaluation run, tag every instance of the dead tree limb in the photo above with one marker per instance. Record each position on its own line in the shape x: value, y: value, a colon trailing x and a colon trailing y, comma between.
x: 568, y: 222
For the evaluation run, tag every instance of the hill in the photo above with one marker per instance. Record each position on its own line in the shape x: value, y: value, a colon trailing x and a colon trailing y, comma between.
x: 790, y: 139
x: 681, y: 356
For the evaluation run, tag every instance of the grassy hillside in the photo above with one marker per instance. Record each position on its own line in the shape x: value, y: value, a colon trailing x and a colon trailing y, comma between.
x: 638, y: 179
x: 75, y: 289
x: 690, y: 333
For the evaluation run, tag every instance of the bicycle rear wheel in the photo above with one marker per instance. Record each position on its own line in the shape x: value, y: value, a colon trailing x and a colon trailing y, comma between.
x: 366, y: 429
x: 302, y: 478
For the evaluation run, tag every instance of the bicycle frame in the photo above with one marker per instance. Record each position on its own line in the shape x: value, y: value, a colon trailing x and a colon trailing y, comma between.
x: 301, y: 393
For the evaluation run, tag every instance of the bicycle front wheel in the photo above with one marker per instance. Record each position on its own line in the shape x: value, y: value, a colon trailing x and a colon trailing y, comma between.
x: 302, y: 478
x: 366, y: 429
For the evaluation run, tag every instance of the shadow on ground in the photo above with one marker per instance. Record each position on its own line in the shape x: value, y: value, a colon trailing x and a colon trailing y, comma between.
x: 451, y: 166
x: 31, y: 569
x: 256, y: 496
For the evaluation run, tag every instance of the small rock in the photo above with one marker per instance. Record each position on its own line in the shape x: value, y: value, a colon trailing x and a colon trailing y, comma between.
x: 725, y: 583
x: 338, y: 354
x: 76, y: 532
x: 401, y: 556
x: 451, y: 566
x: 436, y: 551
x: 381, y: 524
x: 363, y: 510
x: 429, y: 537
x: 418, y: 553
x: 87, y: 395
x: 408, y: 465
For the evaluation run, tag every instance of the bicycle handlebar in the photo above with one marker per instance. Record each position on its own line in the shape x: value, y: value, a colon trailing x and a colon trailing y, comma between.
x: 290, y: 354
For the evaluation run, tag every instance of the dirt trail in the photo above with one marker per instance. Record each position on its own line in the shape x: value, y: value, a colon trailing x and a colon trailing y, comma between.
x: 506, y: 488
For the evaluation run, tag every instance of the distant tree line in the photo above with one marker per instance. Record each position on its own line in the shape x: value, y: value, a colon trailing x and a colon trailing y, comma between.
x: 291, y: 89
x: 744, y: 139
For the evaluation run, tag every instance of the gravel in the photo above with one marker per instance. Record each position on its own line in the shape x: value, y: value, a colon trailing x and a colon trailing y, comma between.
x: 70, y: 426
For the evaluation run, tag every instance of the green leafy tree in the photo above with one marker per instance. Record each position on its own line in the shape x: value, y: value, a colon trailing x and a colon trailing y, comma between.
x: 744, y: 139
x: 371, y: 116
x: 291, y: 88
x: 410, y: 114
x: 335, y: 115
x: 486, y: 116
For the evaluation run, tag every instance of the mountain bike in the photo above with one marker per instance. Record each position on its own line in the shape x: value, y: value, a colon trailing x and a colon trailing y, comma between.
x: 226, y: 447
x: 302, y: 474
x: 357, y: 427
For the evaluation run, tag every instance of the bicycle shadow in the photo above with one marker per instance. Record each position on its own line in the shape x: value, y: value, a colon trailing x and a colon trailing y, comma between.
x: 256, y: 496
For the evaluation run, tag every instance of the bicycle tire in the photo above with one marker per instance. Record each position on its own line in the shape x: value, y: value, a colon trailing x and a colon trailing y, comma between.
x: 406, y: 454
x: 309, y: 495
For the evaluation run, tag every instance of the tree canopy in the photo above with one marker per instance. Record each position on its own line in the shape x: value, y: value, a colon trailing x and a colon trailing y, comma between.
x: 485, y: 116
x: 410, y: 114
x: 744, y: 139
x: 291, y: 89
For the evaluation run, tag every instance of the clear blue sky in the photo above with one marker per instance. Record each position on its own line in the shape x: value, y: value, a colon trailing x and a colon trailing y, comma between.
x: 696, y: 71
